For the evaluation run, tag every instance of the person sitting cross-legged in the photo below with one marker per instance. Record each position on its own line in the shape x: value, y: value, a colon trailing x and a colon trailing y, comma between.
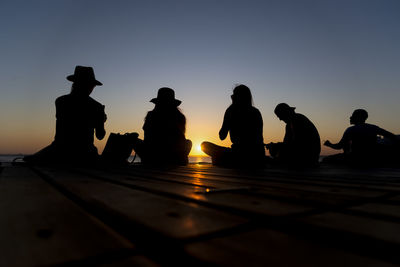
x: 360, y: 143
x: 164, y: 132
x: 245, y: 125
x: 78, y: 118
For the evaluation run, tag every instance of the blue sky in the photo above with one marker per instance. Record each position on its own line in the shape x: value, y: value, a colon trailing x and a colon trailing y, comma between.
x: 327, y: 58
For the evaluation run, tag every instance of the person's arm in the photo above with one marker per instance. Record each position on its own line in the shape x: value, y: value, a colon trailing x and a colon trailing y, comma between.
x: 100, y: 130
x: 259, y: 124
x: 334, y: 146
x: 60, y: 110
x: 223, y: 133
x: 387, y: 134
x: 342, y: 144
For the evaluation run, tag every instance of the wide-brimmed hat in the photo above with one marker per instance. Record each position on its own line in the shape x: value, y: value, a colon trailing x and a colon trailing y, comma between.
x: 283, y: 107
x: 167, y: 96
x: 83, y: 74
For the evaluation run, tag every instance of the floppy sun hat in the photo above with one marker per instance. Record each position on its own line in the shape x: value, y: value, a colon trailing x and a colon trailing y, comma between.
x: 166, y: 95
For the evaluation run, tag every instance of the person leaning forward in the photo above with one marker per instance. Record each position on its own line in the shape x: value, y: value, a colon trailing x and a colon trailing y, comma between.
x: 301, y: 145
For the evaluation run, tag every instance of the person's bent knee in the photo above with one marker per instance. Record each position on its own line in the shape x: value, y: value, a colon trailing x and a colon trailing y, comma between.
x: 206, y: 147
x: 188, y: 146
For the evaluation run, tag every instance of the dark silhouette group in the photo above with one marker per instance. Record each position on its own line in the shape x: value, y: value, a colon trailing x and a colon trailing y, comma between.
x: 80, y: 118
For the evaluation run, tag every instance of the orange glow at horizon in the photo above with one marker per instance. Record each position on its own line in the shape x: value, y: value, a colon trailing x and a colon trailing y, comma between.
x: 196, y: 149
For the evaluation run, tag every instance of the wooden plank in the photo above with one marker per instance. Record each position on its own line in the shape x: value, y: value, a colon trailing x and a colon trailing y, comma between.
x: 377, y: 229
x: 251, y: 194
x: 39, y: 226
x: 376, y: 178
x: 266, y: 247
x: 391, y: 212
x: 243, y: 217
x: 136, y: 261
x: 289, y: 181
x: 168, y: 217
x: 395, y: 199
x: 240, y: 199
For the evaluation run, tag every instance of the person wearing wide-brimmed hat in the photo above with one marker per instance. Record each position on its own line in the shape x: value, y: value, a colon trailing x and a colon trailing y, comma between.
x: 79, y: 118
x: 164, y: 132
x: 301, y: 145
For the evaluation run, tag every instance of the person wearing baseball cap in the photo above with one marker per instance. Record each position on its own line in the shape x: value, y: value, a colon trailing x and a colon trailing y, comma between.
x: 301, y: 145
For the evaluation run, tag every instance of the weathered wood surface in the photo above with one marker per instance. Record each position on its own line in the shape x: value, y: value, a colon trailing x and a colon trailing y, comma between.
x: 39, y: 227
x: 199, y: 215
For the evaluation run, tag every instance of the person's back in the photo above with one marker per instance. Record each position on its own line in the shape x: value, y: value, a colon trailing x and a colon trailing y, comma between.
x: 362, y: 138
x: 245, y: 127
x: 164, y: 132
x: 305, y: 141
x: 301, y: 145
x: 360, y: 143
x: 244, y: 124
x: 77, y: 119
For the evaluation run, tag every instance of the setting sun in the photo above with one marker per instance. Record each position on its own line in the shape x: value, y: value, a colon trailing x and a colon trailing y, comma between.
x: 196, y: 149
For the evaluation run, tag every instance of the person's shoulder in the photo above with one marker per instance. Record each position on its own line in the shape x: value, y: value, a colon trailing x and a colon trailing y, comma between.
x: 229, y: 111
x: 94, y: 102
x: 255, y: 111
x: 62, y: 99
x: 350, y: 128
x: 149, y: 114
x: 372, y: 127
x: 300, y: 117
x: 369, y: 125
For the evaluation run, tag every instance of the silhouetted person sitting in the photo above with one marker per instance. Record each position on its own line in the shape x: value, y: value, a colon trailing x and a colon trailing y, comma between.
x: 164, y: 132
x: 79, y: 117
x: 245, y: 126
x: 360, y: 142
x: 301, y: 145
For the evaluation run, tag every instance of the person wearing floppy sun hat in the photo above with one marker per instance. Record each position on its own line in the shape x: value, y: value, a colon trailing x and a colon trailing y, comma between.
x: 164, y: 130
x: 78, y: 118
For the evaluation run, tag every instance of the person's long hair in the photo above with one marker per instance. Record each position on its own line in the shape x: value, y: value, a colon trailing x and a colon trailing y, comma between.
x: 242, y: 96
x: 171, y: 112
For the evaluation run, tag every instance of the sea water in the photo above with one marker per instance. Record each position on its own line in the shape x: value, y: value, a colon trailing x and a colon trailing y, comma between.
x: 192, y: 159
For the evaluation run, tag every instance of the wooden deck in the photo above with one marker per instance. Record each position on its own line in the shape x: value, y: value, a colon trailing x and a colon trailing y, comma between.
x: 199, y: 215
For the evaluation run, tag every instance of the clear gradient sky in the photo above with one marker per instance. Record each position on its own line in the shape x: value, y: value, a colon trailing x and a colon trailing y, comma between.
x: 325, y: 57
